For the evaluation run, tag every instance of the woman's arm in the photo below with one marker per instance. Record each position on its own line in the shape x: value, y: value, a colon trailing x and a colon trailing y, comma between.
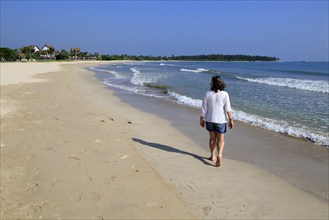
x: 202, y: 123
x: 230, y: 118
x: 204, y: 109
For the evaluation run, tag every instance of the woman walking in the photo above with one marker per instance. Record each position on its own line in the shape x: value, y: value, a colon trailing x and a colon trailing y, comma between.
x: 216, y: 112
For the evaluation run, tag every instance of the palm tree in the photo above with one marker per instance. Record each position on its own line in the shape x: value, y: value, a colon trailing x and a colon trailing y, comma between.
x: 51, y: 51
x: 27, y: 50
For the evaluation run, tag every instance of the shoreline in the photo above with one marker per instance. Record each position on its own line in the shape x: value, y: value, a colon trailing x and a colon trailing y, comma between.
x: 96, y: 146
x: 296, y: 160
x: 282, y: 119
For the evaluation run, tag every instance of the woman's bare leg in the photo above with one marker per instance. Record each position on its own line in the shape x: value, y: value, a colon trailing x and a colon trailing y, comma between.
x: 212, y: 145
x: 220, y: 142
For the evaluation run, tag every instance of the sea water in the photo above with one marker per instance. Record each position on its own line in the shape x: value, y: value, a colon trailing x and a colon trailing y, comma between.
x: 285, y: 97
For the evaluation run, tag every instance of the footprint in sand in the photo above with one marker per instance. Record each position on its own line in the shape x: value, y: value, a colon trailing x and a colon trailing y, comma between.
x: 50, y: 149
x: 114, y: 178
x: 32, y: 211
x: 33, y: 187
x: 76, y: 196
x: 37, y: 171
x: 94, y: 196
x: 206, y: 210
x: 86, y: 178
x: 57, y: 204
x: 30, y: 157
x: 152, y: 204
x: 122, y: 155
x: 108, y: 182
x: 72, y: 157
x: 4, y: 180
x: 76, y: 161
x: 36, y: 147
x: 54, y: 182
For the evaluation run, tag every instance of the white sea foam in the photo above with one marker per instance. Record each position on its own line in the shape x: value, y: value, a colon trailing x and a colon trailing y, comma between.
x: 127, y: 88
x: 167, y: 64
x: 134, y: 89
x: 185, y: 100
x: 139, y: 78
x: 136, y: 79
x: 114, y: 73
x: 301, y: 84
x: 198, y: 70
x: 266, y: 123
x: 281, y: 127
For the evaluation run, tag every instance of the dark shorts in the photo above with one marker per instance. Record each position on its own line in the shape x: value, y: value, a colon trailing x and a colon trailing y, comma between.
x: 216, y: 127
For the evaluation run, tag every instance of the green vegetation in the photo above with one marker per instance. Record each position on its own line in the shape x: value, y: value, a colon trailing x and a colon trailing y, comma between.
x: 63, y: 55
x: 33, y: 53
x: 7, y: 54
x: 210, y: 57
x: 221, y: 57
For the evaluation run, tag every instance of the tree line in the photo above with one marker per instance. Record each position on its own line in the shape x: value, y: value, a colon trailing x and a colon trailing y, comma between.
x: 203, y: 57
x: 7, y: 54
x: 28, y: 53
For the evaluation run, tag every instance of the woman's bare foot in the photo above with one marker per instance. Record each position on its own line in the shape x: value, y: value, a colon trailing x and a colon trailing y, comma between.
x: 212, y: 158
x: 219, y: 158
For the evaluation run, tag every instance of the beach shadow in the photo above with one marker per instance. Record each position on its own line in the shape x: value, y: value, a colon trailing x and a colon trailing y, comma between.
x: 172, y: 150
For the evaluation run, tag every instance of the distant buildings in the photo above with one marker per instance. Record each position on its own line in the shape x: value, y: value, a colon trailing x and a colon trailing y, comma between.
x: 35, y: 48
x: 47, y: 47
x: 47, y: 52
x: 74, y: 53
x: 75, y: 50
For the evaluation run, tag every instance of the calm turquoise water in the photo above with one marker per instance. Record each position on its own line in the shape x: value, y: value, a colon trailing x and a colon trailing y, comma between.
x: 286, y: 97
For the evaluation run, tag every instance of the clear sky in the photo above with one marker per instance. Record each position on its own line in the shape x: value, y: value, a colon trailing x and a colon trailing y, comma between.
x: 290, y: 30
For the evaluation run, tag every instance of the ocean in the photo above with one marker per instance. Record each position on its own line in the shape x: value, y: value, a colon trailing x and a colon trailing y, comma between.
x: 286, y: 97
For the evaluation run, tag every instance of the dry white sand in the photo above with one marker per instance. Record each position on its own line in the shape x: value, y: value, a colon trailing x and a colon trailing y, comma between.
x: 14, y: 73
x: 70, y: 149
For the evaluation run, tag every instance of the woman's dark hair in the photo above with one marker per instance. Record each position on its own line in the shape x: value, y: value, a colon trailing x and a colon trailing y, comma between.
x: 217, y: 84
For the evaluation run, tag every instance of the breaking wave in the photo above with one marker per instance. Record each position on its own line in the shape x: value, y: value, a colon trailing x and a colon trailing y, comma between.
x: 185, y: 100
x: 140, y: 79
x: 301, y: 84
x: 255, y: 120
x: 198, y: 70
x: 114, y: 73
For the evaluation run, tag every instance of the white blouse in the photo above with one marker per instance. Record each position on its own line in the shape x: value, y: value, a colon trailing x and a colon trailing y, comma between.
x: 215, y: 107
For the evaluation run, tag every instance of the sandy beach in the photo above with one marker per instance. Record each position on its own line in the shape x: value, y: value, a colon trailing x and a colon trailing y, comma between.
x: 71, y: 149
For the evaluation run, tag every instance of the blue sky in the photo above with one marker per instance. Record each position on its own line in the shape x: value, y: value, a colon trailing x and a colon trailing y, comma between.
x: 290, y: 30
